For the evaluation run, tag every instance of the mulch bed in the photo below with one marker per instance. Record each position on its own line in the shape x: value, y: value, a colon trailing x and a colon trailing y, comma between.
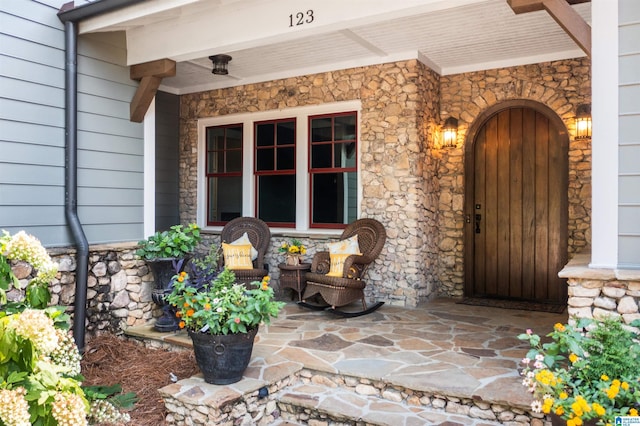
x: 109, y: 360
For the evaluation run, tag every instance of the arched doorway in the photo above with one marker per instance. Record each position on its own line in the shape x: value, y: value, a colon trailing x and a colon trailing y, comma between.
x: 516, y: 168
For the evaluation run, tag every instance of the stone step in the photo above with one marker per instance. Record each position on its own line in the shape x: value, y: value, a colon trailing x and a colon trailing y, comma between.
x: 321, y: 405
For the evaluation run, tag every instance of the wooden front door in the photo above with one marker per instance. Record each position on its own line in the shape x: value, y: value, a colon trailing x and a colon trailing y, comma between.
x: 516, y: 204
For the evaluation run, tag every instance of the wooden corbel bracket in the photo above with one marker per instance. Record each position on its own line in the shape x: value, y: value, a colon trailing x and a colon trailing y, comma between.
x: 150, y: 75
x: 562, y: 12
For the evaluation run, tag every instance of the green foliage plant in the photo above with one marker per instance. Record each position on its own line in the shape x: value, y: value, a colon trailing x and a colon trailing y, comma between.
x: 221, y: 306
x: 586, y: 370
x: 176, y: 242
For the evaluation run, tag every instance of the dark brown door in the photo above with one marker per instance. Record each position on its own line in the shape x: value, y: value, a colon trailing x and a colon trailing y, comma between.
x: 516, y: 230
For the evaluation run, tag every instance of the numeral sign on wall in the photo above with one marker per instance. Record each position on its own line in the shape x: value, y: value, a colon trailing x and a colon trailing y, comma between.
x: 301, y: 18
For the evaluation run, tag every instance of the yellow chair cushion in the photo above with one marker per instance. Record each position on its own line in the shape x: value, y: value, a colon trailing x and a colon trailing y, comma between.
x: 348, y: 246
x: 237, y: 256
x: 337, y: 264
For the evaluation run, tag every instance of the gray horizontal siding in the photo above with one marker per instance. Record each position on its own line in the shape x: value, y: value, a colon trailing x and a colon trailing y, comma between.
x: 629, y: 134
x: 110, y: 155
x: 31, y: 133
x: 92, y: 178
x: 18, y: 195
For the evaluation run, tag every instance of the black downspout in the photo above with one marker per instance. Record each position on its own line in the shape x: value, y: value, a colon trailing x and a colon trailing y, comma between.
x: 70, y: 15
x: 71, y: 182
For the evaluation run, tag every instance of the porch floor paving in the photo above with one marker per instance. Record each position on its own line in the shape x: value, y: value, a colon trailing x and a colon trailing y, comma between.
x: 440, y: 346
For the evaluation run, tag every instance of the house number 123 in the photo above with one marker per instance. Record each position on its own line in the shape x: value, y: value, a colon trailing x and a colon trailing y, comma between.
x: 301, y: 18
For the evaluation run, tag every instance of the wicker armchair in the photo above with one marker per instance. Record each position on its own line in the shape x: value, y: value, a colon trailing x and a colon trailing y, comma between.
x: 341, y: 291
x: 259, y: 235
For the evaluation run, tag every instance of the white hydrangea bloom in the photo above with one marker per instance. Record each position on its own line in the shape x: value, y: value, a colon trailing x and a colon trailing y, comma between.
x: 35, y: 325
x: 14, y: 410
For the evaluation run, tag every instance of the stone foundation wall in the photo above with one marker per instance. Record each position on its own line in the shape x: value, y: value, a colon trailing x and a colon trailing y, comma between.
x: 562, y: 86
x: 595, y: 293
x: 119, y: 287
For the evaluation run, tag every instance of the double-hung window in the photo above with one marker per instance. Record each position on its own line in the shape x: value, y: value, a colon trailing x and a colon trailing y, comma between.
x: 295, y: 168
x: 275, y: 172
x: 333, y: 169
x: 224, y: 173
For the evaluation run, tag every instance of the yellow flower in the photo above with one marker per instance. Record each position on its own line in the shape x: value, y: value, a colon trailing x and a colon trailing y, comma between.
x: 599, y: 409
x: 563, y: 395
x: 604, y: 378
x: 559, y: 327
x: 625, y: 385
x: 573, y: 358
x: 633, y: 412
x: 612, y: 392
x: 560, y: 411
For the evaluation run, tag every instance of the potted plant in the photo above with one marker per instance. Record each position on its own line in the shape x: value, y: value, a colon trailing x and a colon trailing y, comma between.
x: 293, y: 250
x: 167, y: 252
x: 222, y: 319
x: 587, y: 372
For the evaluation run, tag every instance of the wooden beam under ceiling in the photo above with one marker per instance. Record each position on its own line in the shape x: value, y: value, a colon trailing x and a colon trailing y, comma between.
x: 150, y: 75
x: 562, y: 12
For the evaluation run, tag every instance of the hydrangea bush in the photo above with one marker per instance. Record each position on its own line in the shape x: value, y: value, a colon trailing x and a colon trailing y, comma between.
x: 26, y: 248
x: 40, y: 380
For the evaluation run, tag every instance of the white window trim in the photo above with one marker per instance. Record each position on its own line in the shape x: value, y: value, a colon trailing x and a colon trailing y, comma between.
x: 301, y: 115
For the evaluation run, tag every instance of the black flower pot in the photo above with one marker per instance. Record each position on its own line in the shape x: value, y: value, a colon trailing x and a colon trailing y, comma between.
x: 222, y: 359
x: 163, y: 270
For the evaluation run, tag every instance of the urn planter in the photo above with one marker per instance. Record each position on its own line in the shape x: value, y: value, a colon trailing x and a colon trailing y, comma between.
x: 222, y: 359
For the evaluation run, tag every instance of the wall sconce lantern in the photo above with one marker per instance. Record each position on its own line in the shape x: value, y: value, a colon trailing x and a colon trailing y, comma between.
x: 220, y: 63
x: 450, y: 133
x: 583, y: 121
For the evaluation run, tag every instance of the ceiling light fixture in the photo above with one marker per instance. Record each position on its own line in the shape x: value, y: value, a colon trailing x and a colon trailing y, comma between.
x: 220, y: 63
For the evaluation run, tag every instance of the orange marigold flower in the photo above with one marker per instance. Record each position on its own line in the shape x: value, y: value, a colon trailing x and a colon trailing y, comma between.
x: 207, y: 307
x: 180, y: 279
x: 181, y: 324
x: 190, y: 312
x: 559, y: 327
x: 265, y: 286
x: 185, y: 304
x: 266, y: 278
x: 559, y: 411
x: 183, y: 273
x: 178, y: 314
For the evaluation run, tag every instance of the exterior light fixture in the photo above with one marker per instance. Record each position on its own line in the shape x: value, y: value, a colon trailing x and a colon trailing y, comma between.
x: 583, y: 121
x: 450, y: 133
x: 220, y: 63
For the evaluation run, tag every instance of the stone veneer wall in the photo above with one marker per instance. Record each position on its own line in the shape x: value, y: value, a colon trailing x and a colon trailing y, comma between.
x: 562, y: 86
x: 119, y: 286
x: 595, y: 293
x: 397, y: 100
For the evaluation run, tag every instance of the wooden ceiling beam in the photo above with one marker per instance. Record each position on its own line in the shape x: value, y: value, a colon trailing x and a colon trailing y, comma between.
x: 562, y: 12
x: 150, y: 75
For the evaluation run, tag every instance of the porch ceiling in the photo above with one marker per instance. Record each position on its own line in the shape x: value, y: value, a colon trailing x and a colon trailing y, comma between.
x: 450, y: 36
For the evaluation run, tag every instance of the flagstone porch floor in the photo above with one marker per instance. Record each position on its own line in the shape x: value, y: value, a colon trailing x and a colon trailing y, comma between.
x: 440, y: 347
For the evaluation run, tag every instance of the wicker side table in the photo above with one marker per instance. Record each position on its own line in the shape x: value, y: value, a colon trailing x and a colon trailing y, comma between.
x: 292, y: 276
